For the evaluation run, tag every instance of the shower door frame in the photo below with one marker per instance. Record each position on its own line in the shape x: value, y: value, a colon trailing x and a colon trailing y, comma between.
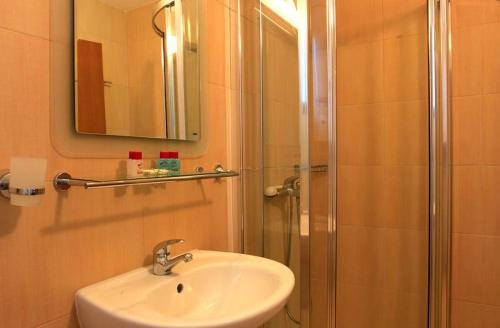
x: 439, y: 52
x: 440, y: 70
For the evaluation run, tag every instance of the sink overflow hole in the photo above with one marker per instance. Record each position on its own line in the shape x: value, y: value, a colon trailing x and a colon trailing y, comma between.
x: 180, y: 287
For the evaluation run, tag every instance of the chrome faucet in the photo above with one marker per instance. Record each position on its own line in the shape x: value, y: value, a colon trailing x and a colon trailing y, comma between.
x: 162, y: 263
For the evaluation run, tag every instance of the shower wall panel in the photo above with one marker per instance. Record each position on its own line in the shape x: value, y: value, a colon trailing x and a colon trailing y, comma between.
x: 383, y: 189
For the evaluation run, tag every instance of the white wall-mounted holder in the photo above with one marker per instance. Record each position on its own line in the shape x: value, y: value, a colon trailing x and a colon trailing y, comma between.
x: 24, y: 185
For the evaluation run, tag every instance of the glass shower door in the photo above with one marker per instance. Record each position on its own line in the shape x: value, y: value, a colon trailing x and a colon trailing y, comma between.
x: 382, y: 164
x: 273, y: 160
x: 281, y: 157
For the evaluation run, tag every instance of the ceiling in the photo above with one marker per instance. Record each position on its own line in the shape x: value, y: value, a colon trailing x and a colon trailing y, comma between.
x: 127, y: 5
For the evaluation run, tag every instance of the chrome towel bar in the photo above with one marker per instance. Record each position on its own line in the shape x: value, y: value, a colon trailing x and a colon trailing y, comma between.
x: 64, y: 181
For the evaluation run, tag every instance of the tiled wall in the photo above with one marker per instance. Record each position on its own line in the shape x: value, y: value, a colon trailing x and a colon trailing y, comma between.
x: 382, y: 213
x: 476, y: 164
x: 146, y: 92
x: 76, y: 238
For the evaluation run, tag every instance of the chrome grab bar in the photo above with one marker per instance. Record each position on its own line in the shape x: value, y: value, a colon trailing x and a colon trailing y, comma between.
x: 64, y: 181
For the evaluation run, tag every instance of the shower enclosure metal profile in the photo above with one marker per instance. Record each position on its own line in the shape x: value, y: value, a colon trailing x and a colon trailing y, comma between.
x: 439, y: 30
x: 331, y: 26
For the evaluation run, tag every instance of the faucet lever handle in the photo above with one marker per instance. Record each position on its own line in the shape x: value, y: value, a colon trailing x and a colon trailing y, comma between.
x: 166, y: 245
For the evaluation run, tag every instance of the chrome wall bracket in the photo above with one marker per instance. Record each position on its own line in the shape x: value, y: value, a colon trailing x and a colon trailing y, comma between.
x: 4, y: 185
x: 6, y: 190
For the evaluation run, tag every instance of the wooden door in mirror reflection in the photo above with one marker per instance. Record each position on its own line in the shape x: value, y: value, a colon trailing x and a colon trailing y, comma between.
x: 91, y: 112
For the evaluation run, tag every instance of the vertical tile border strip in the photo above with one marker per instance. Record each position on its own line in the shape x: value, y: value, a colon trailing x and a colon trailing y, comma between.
x: 331, y: 27
x: 439, y: 31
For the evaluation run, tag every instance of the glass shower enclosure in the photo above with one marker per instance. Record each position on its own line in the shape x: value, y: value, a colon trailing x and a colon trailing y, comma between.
x: 344, y: 152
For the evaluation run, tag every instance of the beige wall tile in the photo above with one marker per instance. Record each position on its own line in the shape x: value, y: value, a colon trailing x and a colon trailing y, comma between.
x: 491, y: 63
x: 491, y: 316
x: 360, y: 257
x: 491, y: 271
x: 361, y: 135
x: 24, y: 93
x: 184, y: 215
x: 361, y: 195
x: 490, y: 192
x: 360, y: 73
x: 378, y: 196
x: 490, y: 125
x: 404, y: 18
x: 465, y: 315
x: 491, y: 9
x: 68, y: 321
x: 405, y: 310
x: 475, y: 188
x: 406, y: 197
x: 468, y: 199
x: 466, y: 268
x: 359, y: 22
x: 467, y: 132
x: 215, y: 12
x: 474, y: 315
x: 467, y: 59
x: 360, y: 307
x: 30, y: 17
x: 405, y: 254
x: 406, y: 128
x: 405, y: 68
x: 466, y: 13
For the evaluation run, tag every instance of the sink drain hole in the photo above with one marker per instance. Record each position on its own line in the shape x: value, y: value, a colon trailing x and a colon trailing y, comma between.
x: 180, y: 287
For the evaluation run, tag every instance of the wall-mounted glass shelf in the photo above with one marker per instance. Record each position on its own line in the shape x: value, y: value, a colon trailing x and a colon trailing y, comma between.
x: 64, y: 181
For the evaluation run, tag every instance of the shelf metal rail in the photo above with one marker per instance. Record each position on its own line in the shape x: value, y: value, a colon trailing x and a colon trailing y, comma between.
x: 64, y: 181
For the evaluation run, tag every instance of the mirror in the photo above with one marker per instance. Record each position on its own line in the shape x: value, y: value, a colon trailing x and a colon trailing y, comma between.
x: 137, y: 68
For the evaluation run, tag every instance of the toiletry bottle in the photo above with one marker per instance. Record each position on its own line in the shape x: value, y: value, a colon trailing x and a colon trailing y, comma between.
x: 134, y: 164
x: 162, y: 163
x: 173, y: 163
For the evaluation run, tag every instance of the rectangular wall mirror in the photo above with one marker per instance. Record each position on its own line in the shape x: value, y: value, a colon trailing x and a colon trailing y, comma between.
x: 137, y: 68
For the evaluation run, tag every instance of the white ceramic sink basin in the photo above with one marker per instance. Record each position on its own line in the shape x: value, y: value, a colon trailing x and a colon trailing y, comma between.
x: 214, y: 290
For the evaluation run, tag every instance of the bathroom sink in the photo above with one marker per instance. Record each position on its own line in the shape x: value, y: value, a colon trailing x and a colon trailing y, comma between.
x: 216, y: 289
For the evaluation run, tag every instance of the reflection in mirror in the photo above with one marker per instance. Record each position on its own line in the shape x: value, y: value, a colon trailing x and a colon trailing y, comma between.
x: 176, y: 23
x: 137, y: 68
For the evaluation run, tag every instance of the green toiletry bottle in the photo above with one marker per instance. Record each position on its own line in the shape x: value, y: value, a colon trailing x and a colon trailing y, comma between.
x: 173, y: 163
